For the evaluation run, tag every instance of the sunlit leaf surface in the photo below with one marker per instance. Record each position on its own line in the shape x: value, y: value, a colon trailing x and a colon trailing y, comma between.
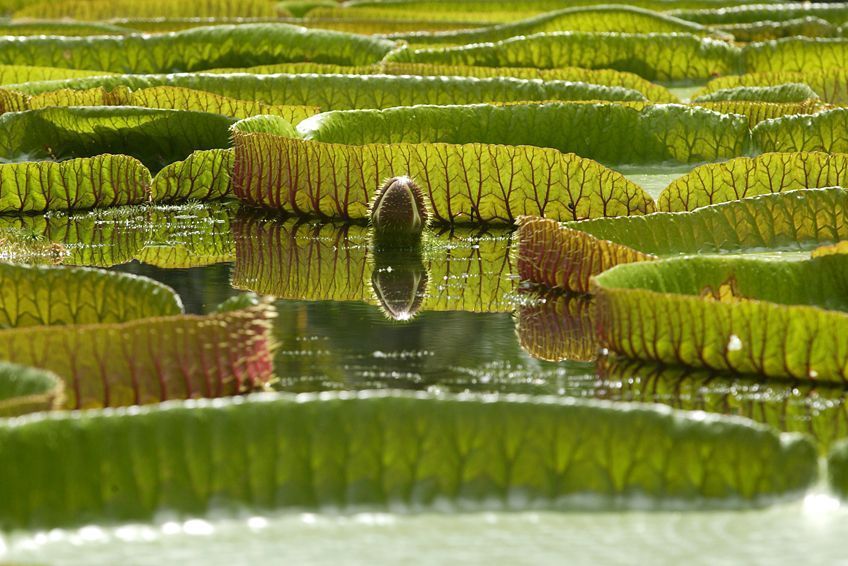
x: 194, y: 50
x: 668, y: 312
x: 671, y: 56
x: 471, y: 182
x: 389, y: 450
x: 566, y: 255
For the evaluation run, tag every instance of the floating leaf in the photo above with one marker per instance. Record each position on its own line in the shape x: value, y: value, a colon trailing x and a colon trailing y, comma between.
x: 155, y: 137
x: 20, y: 74
x: 462, y: 183
x: 556, y: 256
x: 456, y: 8
x: 831, y: 85
x: 27, y: 390
x: 196, y: 49
x: 346, y: 91
x: 76, y: 184
x: 760, y: 111
x: 11, y: 101
x: 165, y: 97
x: 654, y: 133
x: 107, y: 9
x: 566, y: 255
x: 626, y: 19
x: 509, y: 452
x: 654, y: 56
x: 795, y: 329
x: 187, y: 99
x: 606, y: 77
x: 416, y: 17
x: 795, y: 54
x: 758, y: 11
x: 823, y: 131
x: 322, y: 262
x: 750, y: 176
x: 809, y: 26
x: 558, y: 327
x: 33, y: 296
x: 119, y: 96
x: 150, y: 360
x: 788, y: 92
x: 63, y: 28
x: 204, y: 175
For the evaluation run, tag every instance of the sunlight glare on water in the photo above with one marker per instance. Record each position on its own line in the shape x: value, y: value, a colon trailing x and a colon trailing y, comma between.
x: 808, y: 532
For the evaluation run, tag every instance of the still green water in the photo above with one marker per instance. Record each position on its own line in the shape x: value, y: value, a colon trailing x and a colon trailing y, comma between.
x: 449, y: 319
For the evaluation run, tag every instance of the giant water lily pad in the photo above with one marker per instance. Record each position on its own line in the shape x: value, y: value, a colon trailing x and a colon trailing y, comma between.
x: 194, y: 50
x: 726, y: 313
x: 566, y: 255
x: 27, y: 390
x: 654, y: 56
x: 462, y: 182
x: 344, y: 88
x: 378, y: 450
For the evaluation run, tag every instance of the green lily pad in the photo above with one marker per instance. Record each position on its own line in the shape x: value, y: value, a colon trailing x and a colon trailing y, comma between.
x: 378, y: 450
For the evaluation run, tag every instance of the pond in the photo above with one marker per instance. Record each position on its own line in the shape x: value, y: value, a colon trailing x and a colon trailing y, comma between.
x: 349, y: 320
x: 423, y: 281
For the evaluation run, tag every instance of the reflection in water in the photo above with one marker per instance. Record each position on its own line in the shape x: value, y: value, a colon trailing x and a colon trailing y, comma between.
x: 455, y: 296
x: 165, y: 236
x: 351, y: 345
x: 467, y: 270
x: 558, y: 327
x: 816, y: 409
x: 399, y: 281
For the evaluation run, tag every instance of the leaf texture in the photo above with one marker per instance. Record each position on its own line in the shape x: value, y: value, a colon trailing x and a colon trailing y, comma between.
x: 750, y: 176
x: 76, y: 184
x: 35, y: 296
x: 654, y: 311
x: 824, y: 131
x: 463, y: 183
x: 392, y: 449
x: 26, y: 390
x: 662, y: 57
x: 241, y: 45
x: 566, y: 255
x: 152, y: 359
x: 155, y: 137
x: 623, y: 19
x: 662, y: 132
x: 338, y: 91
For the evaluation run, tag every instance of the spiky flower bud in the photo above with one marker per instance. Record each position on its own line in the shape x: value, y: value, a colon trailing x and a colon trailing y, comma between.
x: 399, y: 213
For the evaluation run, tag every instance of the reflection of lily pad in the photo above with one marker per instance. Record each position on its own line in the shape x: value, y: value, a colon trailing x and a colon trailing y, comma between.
x: 558, y: 328
x: 820, y: 410
x: 166, y: 236
x: 320, y: 262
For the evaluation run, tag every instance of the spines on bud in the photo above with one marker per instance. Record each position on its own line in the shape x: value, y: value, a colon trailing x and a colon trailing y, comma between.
x: 399, y: 213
